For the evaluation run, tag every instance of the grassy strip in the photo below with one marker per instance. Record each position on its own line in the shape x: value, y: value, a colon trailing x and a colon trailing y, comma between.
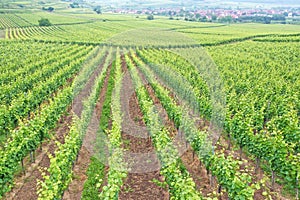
x: 117, y: 166
x: 96, y: 168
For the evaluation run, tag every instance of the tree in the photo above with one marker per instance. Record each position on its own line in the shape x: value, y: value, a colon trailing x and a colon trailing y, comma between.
x: 50, y: 9
x: 97, y: 9
x: 214, y: 17
x: 226, y: 19
x: 203, y: 19
x: 150, y: 17
x: 44, y: 22
x: 74, y: 5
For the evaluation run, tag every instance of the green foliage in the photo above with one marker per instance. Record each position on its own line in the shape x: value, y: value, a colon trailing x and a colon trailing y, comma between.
x: 227, y: 19
x: 12, y: 20
x: 74, y: 5
x: 32, y: 132
x: 97, y: 9
x: 150, y: 17
x: 25, y: 89
x: 44, y: 22
x: 49, y: 9
x: 262, y: 110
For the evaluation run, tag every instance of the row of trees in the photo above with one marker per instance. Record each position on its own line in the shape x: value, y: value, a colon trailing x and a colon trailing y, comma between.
x: 229, y: 19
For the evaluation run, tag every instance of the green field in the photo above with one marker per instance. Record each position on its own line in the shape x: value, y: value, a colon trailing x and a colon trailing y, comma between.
x: 115, y: 106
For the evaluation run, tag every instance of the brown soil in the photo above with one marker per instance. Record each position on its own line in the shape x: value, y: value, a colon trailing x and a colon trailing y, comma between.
x: 141, y: 186
x: 75, y: 188
x: 136, y: 145
x: 140, y: 155
x: 77, y: 105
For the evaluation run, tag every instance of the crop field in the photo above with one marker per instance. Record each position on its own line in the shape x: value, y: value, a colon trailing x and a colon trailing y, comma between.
x: 116, y: 106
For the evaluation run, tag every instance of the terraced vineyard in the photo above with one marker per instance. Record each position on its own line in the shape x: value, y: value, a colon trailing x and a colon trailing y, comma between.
x: 139, y: 109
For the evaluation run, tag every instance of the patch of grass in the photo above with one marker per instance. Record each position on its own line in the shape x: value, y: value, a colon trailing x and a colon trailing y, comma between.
x: 126, y: 142
x: 95, y: 174
x: 163, y: 185
x: 128, y: 189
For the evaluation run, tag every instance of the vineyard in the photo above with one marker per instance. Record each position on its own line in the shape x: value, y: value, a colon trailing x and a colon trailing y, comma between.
x: 119, y: 107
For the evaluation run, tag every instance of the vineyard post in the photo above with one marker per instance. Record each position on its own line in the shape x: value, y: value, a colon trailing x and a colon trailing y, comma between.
x: 31, y: 157
x: 220, y: 189
x: 193, y: 156
x: 241, y: 152
x: 34, y: 156
x: 229, y: 144
x: 297, y: 185
x: 211, y: 180
x: 257, y: 164
x: 41, y: 142
x: 23, y: 168
x: 273, y: 180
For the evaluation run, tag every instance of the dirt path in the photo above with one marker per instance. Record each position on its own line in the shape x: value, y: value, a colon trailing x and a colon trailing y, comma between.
x: 77, y: 105
x: 140, y: 154
x: 75, y: 188
x: 2, y: 34
x: 26, y: 186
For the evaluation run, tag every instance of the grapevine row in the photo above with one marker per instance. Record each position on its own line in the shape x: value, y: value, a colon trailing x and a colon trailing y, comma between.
x: 30, y: 134
x: 228, y: 176
x: 181, y: 185
x: 246, y: 126
x: 59, y: 174
x: 26, y: 102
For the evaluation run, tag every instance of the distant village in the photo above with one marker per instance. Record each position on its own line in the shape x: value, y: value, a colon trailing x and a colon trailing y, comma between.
x: 283, y: 15
x: 276, y: 15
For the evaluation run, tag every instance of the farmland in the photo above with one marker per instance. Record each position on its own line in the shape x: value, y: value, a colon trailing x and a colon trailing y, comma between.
x: 116, y: 106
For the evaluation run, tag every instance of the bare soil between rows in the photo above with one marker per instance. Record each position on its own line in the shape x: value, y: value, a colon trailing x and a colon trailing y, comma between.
x: 140, y: 151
